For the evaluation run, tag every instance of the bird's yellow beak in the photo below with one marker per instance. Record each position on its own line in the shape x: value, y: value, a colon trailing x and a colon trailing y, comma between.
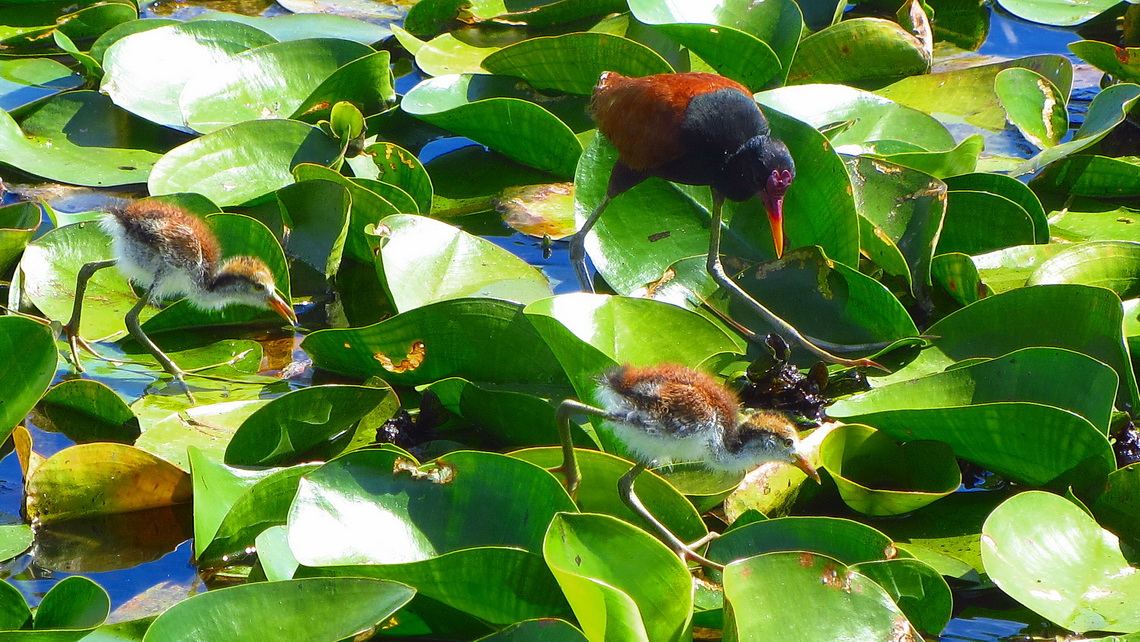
x: 805, y: 465
x: 775, y: 208
x: 282, y: 307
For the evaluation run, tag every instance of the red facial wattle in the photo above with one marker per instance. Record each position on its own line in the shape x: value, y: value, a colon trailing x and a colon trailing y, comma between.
x: 773, y: 198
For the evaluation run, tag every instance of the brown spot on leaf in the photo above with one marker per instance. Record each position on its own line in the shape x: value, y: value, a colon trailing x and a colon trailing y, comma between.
x: 324, y: 104
x: 890, y: 552
x: 1121, y: 54
x: 806, y: 560
x: 411, y: 362
x: 653, y: 238
x: 438, y: 473
x: 652, y: 289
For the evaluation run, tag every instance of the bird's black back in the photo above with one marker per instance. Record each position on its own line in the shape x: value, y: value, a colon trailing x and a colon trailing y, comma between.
x: 715, y: 126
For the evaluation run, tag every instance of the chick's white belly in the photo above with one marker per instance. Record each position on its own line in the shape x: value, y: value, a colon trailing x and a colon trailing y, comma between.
x: 660, y: 446
x: 143, y: 265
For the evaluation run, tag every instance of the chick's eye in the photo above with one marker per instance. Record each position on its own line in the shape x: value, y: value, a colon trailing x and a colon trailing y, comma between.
x: 260, y: 287
x: 787, y: 443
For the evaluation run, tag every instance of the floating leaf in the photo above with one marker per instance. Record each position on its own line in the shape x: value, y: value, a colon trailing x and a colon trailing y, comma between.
x: 324, y: 608
x: 573, y: 62
x: 1049, y: 555
x: 101, y: 479
x: 424, y: 261
x: 878, y: 476
x: 242, y: 163
x: 147, y: 71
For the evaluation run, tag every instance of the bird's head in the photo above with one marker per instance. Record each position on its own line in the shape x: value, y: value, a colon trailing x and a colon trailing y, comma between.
x: 761, y: 437
x: 776, y: 171
x: 247, y: 280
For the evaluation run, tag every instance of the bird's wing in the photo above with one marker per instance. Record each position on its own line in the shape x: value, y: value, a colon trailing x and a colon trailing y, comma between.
x: 642, y: 117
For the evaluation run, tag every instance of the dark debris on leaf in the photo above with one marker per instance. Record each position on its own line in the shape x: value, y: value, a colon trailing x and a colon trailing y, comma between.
x: 775, y: 384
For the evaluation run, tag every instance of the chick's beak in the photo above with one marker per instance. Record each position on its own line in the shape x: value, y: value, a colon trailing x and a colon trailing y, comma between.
x: 282, y: 307
x: 805, y: 465
x: 775, y: 207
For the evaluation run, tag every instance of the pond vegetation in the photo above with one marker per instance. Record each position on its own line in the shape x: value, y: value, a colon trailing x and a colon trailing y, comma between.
x: 391, y: 467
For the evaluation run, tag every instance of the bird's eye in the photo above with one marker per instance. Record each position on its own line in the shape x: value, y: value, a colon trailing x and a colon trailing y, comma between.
x: 260, y: 287
x: 787, y: 442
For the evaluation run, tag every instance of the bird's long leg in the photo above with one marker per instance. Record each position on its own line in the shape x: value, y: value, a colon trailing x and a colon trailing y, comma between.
x: 625, y: 489
x: 569, y: 467
x: 578, y: 245
x: 135, y: 328
x: 71, y: 328
x: 716, y: 269
x: 622, y: 178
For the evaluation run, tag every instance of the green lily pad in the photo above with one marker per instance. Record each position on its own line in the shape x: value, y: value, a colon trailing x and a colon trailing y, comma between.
x: 445, y: 54
x: 827, y: 300
x: 103, y: 145
x: 1034, y: 105
x: 242, y: 163
x: 750, y: 43
x: 878, y: 476
x: 1118, y: 508
x: 380, y: 507
x: 618, y: 579
x: 865, y: 117
x: 1049, y: 376
x: 74, y: 603
x: 1052, y: 557
x: 396, y: 167
x: 324, y: 608
x: 18, y: 224
x: 147, y: 71
x: 1057, y: 12
x: 29, y: 355
x: 435, y: 341
x: 305, y: 424
x: 957, y: 275
x: 102, y: 479
x: 514, y: 415
x: 299, y: 26
x: 598, y: 492
x: 473, y: 106
x: 1108, y: 109
x: 758, y: 590
x: 270, y: 81
x: 1108, y: 264
x: 980, y: 222
x: 968, y: 94
x: 1122, y: 63
x: 1010, y: 188
x: 843, y: 539
x: 207, y: 427
x: 87, y: 411
x: 498, y: 585
x: 24, y: 81
x: 901, y: 212
x: 573, y: 62
x: 1084, y: 319
x: 917, y: 588
x: 264, y: 504
x: 423, y: 261
x: 317, y: 214
x: 857, y: 50
x: 1092, y: 176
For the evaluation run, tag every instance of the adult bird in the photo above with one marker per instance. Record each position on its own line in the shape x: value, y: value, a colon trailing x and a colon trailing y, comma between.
x: 170, y: 252
x: 695, y: 129
x: 669, y: 413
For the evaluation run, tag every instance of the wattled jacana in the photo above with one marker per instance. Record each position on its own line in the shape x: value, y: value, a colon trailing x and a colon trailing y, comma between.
x: 696, y: 129
x: 670, y: 413
x: 170, y: 252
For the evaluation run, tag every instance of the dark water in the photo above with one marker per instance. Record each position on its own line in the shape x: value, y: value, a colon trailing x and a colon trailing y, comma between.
x: 171, y: 575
